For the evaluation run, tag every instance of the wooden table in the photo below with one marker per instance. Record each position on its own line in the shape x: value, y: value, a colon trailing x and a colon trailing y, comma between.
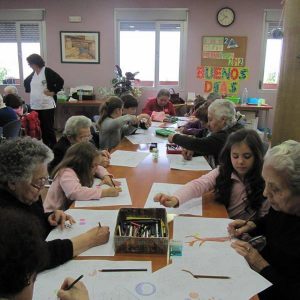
x: 257, y: 108
x: 140, y: 181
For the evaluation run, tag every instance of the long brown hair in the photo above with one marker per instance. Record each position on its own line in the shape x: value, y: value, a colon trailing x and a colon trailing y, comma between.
x: 79, y: 157
x: 108, y: 108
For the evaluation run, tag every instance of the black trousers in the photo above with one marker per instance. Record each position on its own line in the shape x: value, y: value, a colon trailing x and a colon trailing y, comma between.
x: 46, y: 117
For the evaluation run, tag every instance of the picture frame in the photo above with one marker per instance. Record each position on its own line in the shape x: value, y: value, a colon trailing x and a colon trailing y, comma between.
x: 80, y: 47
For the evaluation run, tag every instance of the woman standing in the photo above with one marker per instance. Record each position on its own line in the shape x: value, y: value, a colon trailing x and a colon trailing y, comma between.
x: 43, y: 84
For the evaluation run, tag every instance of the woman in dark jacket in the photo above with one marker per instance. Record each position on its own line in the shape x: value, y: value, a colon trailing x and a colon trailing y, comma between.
x: 23, y: 175
x: 43, y: 84
x: 221, y: 122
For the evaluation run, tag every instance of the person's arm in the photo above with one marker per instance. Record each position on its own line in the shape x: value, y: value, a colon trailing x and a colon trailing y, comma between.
x: 74, y: 190
x: 113, y: 124
x: 197, y: 187
x: 27, y: 82
x: 211, y: 145
x: 60, y: 251
x: 77, y: 292
x: 54, y: 81
x: 70, y: 184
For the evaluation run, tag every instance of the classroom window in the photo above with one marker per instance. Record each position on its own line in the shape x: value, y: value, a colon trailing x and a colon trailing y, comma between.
x: 153, y: 48
x: 17, y: 41
x: 272, y: 50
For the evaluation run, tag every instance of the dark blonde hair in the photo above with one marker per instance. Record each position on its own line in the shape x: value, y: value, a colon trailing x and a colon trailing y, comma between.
x: 79, y: 157
x: 108, y: 108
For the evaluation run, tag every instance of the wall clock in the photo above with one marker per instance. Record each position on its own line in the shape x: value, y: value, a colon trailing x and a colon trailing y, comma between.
x: 225, y: 16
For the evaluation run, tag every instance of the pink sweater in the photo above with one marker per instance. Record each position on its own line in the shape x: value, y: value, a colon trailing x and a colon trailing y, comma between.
x: 66, y: 188
x: 238, y: 199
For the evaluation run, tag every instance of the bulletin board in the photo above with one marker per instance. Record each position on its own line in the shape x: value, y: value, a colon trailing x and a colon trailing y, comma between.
x: 224, y: 51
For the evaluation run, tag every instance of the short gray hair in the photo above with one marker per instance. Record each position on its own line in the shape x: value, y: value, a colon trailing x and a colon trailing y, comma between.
x: 223, y: 108
x: 163, y: 92
x: 75, y: 123
x: 285, y: 158
x: 19, y: 158
x: 10, y: 89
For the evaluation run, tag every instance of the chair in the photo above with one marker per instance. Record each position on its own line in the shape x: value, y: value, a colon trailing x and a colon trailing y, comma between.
x: 12, y: 129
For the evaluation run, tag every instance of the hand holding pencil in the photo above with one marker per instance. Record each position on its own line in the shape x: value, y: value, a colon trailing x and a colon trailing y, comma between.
x: 68, y: 291
x: 238, y: 227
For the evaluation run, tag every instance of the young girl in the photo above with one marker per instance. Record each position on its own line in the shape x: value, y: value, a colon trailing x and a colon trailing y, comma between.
x: 74, y: 177
x: 237, y: 182
x: 111, y: 122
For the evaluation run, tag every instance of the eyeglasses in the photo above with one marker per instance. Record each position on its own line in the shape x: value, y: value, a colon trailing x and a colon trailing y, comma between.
x: 40, y: 183
x: 85, y: 138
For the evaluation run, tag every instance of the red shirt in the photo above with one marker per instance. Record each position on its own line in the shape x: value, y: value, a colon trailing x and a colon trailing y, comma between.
x: 152, y: 105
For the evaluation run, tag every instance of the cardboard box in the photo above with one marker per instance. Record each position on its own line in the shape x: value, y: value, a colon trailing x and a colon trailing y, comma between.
x: 134, y: 239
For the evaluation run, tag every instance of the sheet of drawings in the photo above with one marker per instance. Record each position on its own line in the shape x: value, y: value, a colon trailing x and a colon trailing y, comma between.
x: 85, y: 220
x: 101, y: 285
x: 198, y: 163
x: 127, y: 158
x: 123, y: 198
x: 192, y: 207
x: 207, y: 251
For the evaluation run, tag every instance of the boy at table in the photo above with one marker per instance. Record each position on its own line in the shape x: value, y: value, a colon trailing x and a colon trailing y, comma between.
x: 130, y: 105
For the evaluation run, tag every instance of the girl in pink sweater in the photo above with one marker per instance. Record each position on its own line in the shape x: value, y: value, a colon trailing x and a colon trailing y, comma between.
x: 237, y: 182
x: 74, y: 177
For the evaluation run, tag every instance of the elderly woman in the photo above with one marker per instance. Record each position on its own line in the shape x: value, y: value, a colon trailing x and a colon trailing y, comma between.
x: 160, y: 103
x: 221, y: 122
x: 23, y: 174
x: 279, y: 261
x: 77, y: 129
x: 26, y: 236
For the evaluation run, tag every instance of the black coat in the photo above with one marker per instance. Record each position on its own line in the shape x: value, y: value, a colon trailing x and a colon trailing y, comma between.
x: 54, y: 82
x: 206, y: 146
x: 60, y: 251
x: 282, y: 252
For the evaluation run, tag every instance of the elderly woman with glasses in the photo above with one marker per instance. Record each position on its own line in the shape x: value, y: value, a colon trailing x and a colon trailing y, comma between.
x: 279, y: 261
x: 23, y: 174
x: 78, y: 129
x: 221, y: 122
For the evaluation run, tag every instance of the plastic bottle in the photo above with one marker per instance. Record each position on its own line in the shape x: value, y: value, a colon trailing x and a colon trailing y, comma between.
x: 155, y: 154
x: 244, y: 97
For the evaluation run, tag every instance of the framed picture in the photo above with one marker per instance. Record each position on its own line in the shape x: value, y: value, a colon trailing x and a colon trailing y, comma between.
x: 80, y: 47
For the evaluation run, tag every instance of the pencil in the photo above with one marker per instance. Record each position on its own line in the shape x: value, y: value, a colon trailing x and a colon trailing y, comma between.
x: 123, y: 270
x: 212, y: 277
x: 74, y: 282
x: 112, y: 181
x: 250, y: 217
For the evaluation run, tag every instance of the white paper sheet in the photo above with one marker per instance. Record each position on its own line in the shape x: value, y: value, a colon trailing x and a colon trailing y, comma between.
x: 146, y: 136
x: 172, y: 283
x: 85, y: 220
x: 197, y: 163
x: 101, y: 285
x: 193, y: 207
x: 123, y: 198
x: 127, y: 158
x: 207, y: 250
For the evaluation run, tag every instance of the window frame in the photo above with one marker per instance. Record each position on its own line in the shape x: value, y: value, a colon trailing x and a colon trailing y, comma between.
x: 154, y: 15
x: 18, y: 23
x: 270, y: 15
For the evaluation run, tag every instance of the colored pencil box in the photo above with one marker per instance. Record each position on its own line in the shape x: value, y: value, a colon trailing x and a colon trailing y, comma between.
x: 173, y: 149
x: 164, y: 131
